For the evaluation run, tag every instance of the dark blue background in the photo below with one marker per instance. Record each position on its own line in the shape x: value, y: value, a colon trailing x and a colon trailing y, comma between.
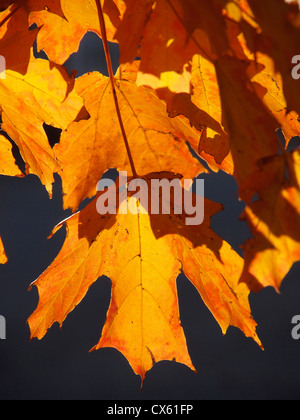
x: 61, y: 367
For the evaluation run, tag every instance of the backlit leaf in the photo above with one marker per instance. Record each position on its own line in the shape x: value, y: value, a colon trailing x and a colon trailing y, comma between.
x: 143, y: 254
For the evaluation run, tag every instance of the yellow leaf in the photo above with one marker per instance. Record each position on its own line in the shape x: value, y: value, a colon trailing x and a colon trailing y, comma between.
x: 143, y: 254
x: 203, y: 109
x: 157, y: 143
x: 274, y: 220
x: 7, y: 162
x: 43, y: 95
x: 60, y: 36
x: 3, y: 257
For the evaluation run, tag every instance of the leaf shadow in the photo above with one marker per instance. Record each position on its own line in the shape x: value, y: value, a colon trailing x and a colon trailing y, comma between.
x: 91, y: 223
x: 181, y: 104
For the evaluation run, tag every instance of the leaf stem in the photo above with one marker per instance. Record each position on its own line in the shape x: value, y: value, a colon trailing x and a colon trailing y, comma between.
x: 113, y: 84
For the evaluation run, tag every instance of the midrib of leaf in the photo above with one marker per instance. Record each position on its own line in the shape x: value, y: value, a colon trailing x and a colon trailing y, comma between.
x: 142, y: 288
x: 140, y: 126
x: 91, y: 153
x: 199, y: 67
x: 113, y: 84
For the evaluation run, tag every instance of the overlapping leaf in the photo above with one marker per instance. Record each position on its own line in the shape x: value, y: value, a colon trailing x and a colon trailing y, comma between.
x: 278, y: 36
x: 43, y: 95
x: 204, y: 112
x: 213, y: 78
x: 60, y: 36
x: 157, y: 142
x: 16, y: 40
x: 229, y: 85
x: 164, y: 36
x: 275, y: 223
x: 269, y: 86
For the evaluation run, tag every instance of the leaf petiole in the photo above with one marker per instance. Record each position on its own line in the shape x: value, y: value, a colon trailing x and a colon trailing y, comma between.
x: 113, y: 84
x: 12, y: 12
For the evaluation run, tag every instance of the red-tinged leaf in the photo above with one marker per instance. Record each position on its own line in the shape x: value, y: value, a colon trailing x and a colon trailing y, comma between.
x: 60, y: 37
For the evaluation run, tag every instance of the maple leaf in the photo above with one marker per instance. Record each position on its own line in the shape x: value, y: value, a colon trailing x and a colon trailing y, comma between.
x: 274, y: 219
x: 251, y: 128
x: 32, y: 5
x: 164, y: 40
x: 16, y: 39
x: 229, y: 90
x: 7, y: 162
x: 3, y: 257
x: 43, y: 95
x: 266, y: 82
x: 157, y: 143
x: 213, y: 78
x: 143, y: 254
x: 60, y: 36
x: 277, y: 36
x: 204, y: 112
x: 273, y: 97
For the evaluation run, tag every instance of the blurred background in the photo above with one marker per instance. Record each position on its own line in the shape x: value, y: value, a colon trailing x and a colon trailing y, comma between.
x: 61, y: 367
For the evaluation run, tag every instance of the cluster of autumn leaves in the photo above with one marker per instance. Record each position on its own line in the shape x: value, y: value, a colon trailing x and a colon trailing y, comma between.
x: 211, y: 87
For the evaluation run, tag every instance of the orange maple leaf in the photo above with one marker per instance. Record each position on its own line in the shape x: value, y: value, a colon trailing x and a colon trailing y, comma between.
x: 157, y: 142
x: 278, y: 36
x: 274, y: 219
x: 16, y: 39
x: 203, y: 109
x: 60, y: 36
x: 8, y: 165
x: 162, y: 36
x: 212, y: 84
x: 43, y: 95
x: 143, y: 254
